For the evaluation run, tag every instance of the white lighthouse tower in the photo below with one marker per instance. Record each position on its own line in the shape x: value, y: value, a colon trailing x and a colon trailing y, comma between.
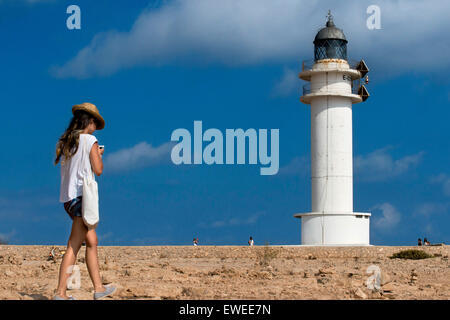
x: 334, y: 86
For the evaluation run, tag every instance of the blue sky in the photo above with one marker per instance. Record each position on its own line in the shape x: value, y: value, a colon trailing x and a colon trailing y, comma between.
x: 154, y: 66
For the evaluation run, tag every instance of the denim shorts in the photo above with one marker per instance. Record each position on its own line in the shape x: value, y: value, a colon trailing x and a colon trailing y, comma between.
x: 73, y: 207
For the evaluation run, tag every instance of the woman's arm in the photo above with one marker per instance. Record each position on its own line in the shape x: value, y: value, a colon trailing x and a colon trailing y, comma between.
x: 96, y: 159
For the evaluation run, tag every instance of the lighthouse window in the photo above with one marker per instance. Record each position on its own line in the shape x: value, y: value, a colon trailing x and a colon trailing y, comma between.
x: 330, y: 49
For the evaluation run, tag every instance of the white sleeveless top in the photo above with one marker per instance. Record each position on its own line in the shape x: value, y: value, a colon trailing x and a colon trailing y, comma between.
x: 74, y: 170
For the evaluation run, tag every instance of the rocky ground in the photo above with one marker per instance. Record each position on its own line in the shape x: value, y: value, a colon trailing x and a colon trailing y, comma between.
x: 230, y: 272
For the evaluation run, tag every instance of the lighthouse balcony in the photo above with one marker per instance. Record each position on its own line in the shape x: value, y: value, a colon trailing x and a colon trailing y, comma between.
x: 355, y: 69
x: 354, y: 92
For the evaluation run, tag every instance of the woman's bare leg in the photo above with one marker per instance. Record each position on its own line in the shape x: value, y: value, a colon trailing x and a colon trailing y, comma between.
x: 77, y: 236
x: 92, y: 260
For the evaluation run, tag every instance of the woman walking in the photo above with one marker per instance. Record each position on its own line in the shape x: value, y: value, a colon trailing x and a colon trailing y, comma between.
x: 80, y: 155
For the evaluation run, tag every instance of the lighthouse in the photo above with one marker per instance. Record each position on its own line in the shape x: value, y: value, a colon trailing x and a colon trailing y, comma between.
x: 335, y: 83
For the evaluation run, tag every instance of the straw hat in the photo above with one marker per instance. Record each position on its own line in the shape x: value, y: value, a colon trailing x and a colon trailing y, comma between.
x: 92, y: 109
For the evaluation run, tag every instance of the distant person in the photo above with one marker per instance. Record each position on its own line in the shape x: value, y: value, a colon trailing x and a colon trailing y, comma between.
x: 195, y: 241
x: 80, y: 156
x: 425, y: 242
x: 251, y: 242
x: 419, y: 242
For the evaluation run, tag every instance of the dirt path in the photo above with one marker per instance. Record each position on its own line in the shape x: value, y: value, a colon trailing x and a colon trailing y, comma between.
x: 231, y: 272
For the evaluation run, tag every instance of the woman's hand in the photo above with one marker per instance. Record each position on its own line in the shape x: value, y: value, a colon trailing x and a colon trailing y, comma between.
x: 96, y: 159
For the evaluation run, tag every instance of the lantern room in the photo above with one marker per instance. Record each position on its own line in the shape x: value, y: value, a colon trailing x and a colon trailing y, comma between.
x: 330, y: 42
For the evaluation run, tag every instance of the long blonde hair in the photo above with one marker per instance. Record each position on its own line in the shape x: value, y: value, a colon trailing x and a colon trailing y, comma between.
x: 68, y: 143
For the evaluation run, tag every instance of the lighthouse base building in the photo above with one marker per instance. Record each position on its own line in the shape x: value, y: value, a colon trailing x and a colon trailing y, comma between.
x: 334, y: 86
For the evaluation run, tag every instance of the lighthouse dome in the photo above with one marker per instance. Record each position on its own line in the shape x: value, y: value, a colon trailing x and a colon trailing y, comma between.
x: 330, y: 32
x: 330, y: 42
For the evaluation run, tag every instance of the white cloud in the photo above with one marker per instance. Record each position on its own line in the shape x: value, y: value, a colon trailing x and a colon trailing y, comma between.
x: 298, y: 166
x: 13, y: 207
x: 105, y: 236
x: 389, y: 218
x: 6, y: 237
x: 237, y: 32
x: 432, y: 208
x: 3, y: 239
x: 232, y: 222
x: 28, y: 1
x: 138, y: 156
x: 39, y: 1
x: 429, y: 229
x: 444, y: 180
x: 379, y: 165
x: 288, y: 83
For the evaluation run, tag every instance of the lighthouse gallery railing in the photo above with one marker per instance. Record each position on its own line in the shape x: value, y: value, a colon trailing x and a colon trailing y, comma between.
x: 356, y: 85
x: 308, y: 64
